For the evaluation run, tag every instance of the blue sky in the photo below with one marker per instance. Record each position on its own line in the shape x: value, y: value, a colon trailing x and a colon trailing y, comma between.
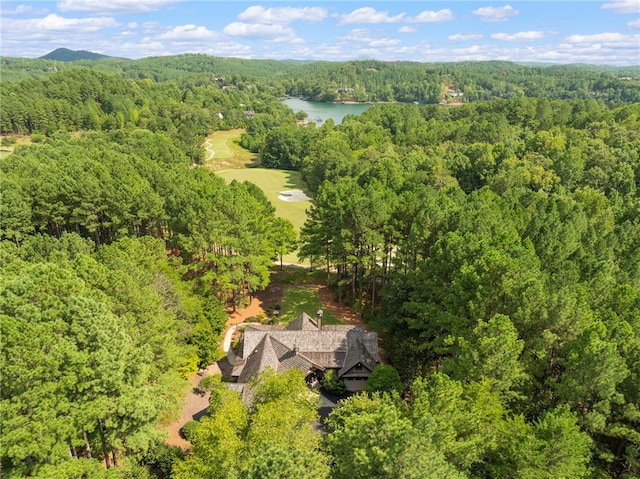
x: 599, y: 32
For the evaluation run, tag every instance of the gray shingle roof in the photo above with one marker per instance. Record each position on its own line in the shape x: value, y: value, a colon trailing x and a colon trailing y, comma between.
x: 302, y: 345
x: 290, y: 358
x: 303, y: 322
x: 358, y: 353
x: 260, y: 357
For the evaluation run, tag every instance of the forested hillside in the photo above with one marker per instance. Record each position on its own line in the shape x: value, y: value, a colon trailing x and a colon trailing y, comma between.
x: 364, y: 80
x: 100, y: 326
x: 497, y: 244
x: 494, y: 246
x: 66, y: 55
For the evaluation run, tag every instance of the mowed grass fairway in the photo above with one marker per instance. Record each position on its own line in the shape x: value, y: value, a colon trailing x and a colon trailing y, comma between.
x: 272, y: 182
x: 223, y: 151
x: 233, y: 162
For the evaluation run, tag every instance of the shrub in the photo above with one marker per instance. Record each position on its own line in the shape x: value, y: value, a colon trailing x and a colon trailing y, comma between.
x: 38, y: 138
x: 332, y: 382
x: 189, y: 429
x: 162, y: 457
x: 9, y: 140
x: 210, y: 383
x: 384, y: 378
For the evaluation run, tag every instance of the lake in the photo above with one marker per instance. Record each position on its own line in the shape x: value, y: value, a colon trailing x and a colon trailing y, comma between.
x: 324, y: 111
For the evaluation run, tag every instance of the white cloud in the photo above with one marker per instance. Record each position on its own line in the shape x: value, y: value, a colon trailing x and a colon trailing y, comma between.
x: 622, y: 6
x: 189, y: 33
x: 284, y: 15
x: 429, y: 16
x: 407, y: 29
x: 369, y: 15
x: 230, y: 49
x: 23, y: 9
x: 257, y: 30
x: 144, y: 48
x: 364, y: 36
x: 151, y: 27
x: 516, y: 37
x: 473, y: 49
x: 384, y: 42
x: 588, y: 53
x: 465, y: 36
x: 355, y: 34
x: 56, y: 23
x: 495, y: 14
x: 272, y: 24
x: 609, y: 38
x: 360, y: 35
x: 113, y: 7
x: 421, y: 48
x: 634, y: 24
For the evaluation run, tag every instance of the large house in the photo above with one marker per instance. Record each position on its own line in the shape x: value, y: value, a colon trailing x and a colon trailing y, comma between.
x: 310, y: 346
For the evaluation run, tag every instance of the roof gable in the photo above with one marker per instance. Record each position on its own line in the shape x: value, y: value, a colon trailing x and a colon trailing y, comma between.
x: 261, y: 357
x: 303, y: 346
x: 303, y: 322
x: 358, y: 353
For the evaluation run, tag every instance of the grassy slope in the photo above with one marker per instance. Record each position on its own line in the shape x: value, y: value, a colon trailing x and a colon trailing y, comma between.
x: 20, y: 140
x: 228, y: 153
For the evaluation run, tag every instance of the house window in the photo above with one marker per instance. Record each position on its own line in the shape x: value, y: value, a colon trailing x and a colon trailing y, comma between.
x: 359, y: 367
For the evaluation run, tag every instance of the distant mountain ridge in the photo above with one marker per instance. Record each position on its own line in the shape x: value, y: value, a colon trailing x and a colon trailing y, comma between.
x: 66, y: 55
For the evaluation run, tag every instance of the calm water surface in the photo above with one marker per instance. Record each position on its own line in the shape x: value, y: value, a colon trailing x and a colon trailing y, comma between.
x: 323, y: 111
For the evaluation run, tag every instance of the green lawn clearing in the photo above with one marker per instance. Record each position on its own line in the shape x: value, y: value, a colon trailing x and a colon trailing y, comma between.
x: 304, y: 300
x: 18, y: 140
x: 222, y: 151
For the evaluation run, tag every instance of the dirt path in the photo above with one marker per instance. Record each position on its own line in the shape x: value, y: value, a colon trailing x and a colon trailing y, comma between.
x: 195, y: 405
x: 339, y: 310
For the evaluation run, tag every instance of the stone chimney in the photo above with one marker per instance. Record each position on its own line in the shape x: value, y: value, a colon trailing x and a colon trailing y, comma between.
x: 319, y: 319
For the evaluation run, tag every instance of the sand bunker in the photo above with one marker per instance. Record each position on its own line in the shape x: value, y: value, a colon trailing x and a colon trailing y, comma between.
x: 293, y: 195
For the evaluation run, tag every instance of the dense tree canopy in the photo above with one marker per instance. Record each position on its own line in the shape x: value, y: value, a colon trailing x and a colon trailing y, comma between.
x: 497, y: 239
x: 92, y: 356
x: 495, y: 247
x: 273, y: 439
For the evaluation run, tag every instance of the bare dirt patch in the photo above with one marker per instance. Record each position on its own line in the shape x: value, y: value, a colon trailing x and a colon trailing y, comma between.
x: 339, y: 310
x: 260, y: 304
x: 195, y: 406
